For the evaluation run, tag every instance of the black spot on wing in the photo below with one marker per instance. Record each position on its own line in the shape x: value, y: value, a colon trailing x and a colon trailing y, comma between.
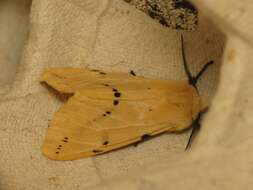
x: 106, y: 113
x: 115, y: 102
x: 106, y: 85
x: 132, y: 73
x: 117, y: 94
x: 58, y: 149
x: 65, y: 139
x: 97, y: 151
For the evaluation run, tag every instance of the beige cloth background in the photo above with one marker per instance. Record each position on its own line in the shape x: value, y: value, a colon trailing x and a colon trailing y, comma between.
x: 13, y: 34
x: 112, y: 35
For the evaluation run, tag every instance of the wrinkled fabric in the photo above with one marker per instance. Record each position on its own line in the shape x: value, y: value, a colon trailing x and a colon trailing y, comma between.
x: 98, y: 34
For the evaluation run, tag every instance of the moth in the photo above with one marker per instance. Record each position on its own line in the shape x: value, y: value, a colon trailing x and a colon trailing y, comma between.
x: 107, y: 111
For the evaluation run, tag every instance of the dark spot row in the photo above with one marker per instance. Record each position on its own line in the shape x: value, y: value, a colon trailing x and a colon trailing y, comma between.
x: 117, y: 94
x: 58, y: 148
x: 106, y: 113
x: 65, y: 139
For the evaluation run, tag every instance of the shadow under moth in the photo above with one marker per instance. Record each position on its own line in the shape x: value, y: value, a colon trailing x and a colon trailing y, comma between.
x: 108, y: 111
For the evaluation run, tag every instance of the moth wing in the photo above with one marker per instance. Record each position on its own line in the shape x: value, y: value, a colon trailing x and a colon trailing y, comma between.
x: 70, y: 80
x: 97, y: 121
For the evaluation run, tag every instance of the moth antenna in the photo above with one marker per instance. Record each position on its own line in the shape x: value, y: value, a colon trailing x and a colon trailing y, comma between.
x: 191, y: 79
x: 201, y: 72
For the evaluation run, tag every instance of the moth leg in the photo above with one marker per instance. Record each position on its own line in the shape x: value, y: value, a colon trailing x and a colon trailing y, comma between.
x: 193, y: 79
x: 195, y: 127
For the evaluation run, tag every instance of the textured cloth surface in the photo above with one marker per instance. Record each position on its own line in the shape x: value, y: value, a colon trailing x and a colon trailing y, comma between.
x: 177, y: 14
x: 14, y: 29
x: 97, y: 34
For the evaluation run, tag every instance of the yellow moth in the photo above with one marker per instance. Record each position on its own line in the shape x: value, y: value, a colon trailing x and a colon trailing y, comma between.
x: 111, y: 110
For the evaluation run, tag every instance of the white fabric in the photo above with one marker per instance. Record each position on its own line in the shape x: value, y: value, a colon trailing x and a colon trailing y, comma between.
x: 104, y: 34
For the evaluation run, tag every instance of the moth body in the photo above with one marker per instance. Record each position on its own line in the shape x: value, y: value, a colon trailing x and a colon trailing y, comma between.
x: 112, y: 110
